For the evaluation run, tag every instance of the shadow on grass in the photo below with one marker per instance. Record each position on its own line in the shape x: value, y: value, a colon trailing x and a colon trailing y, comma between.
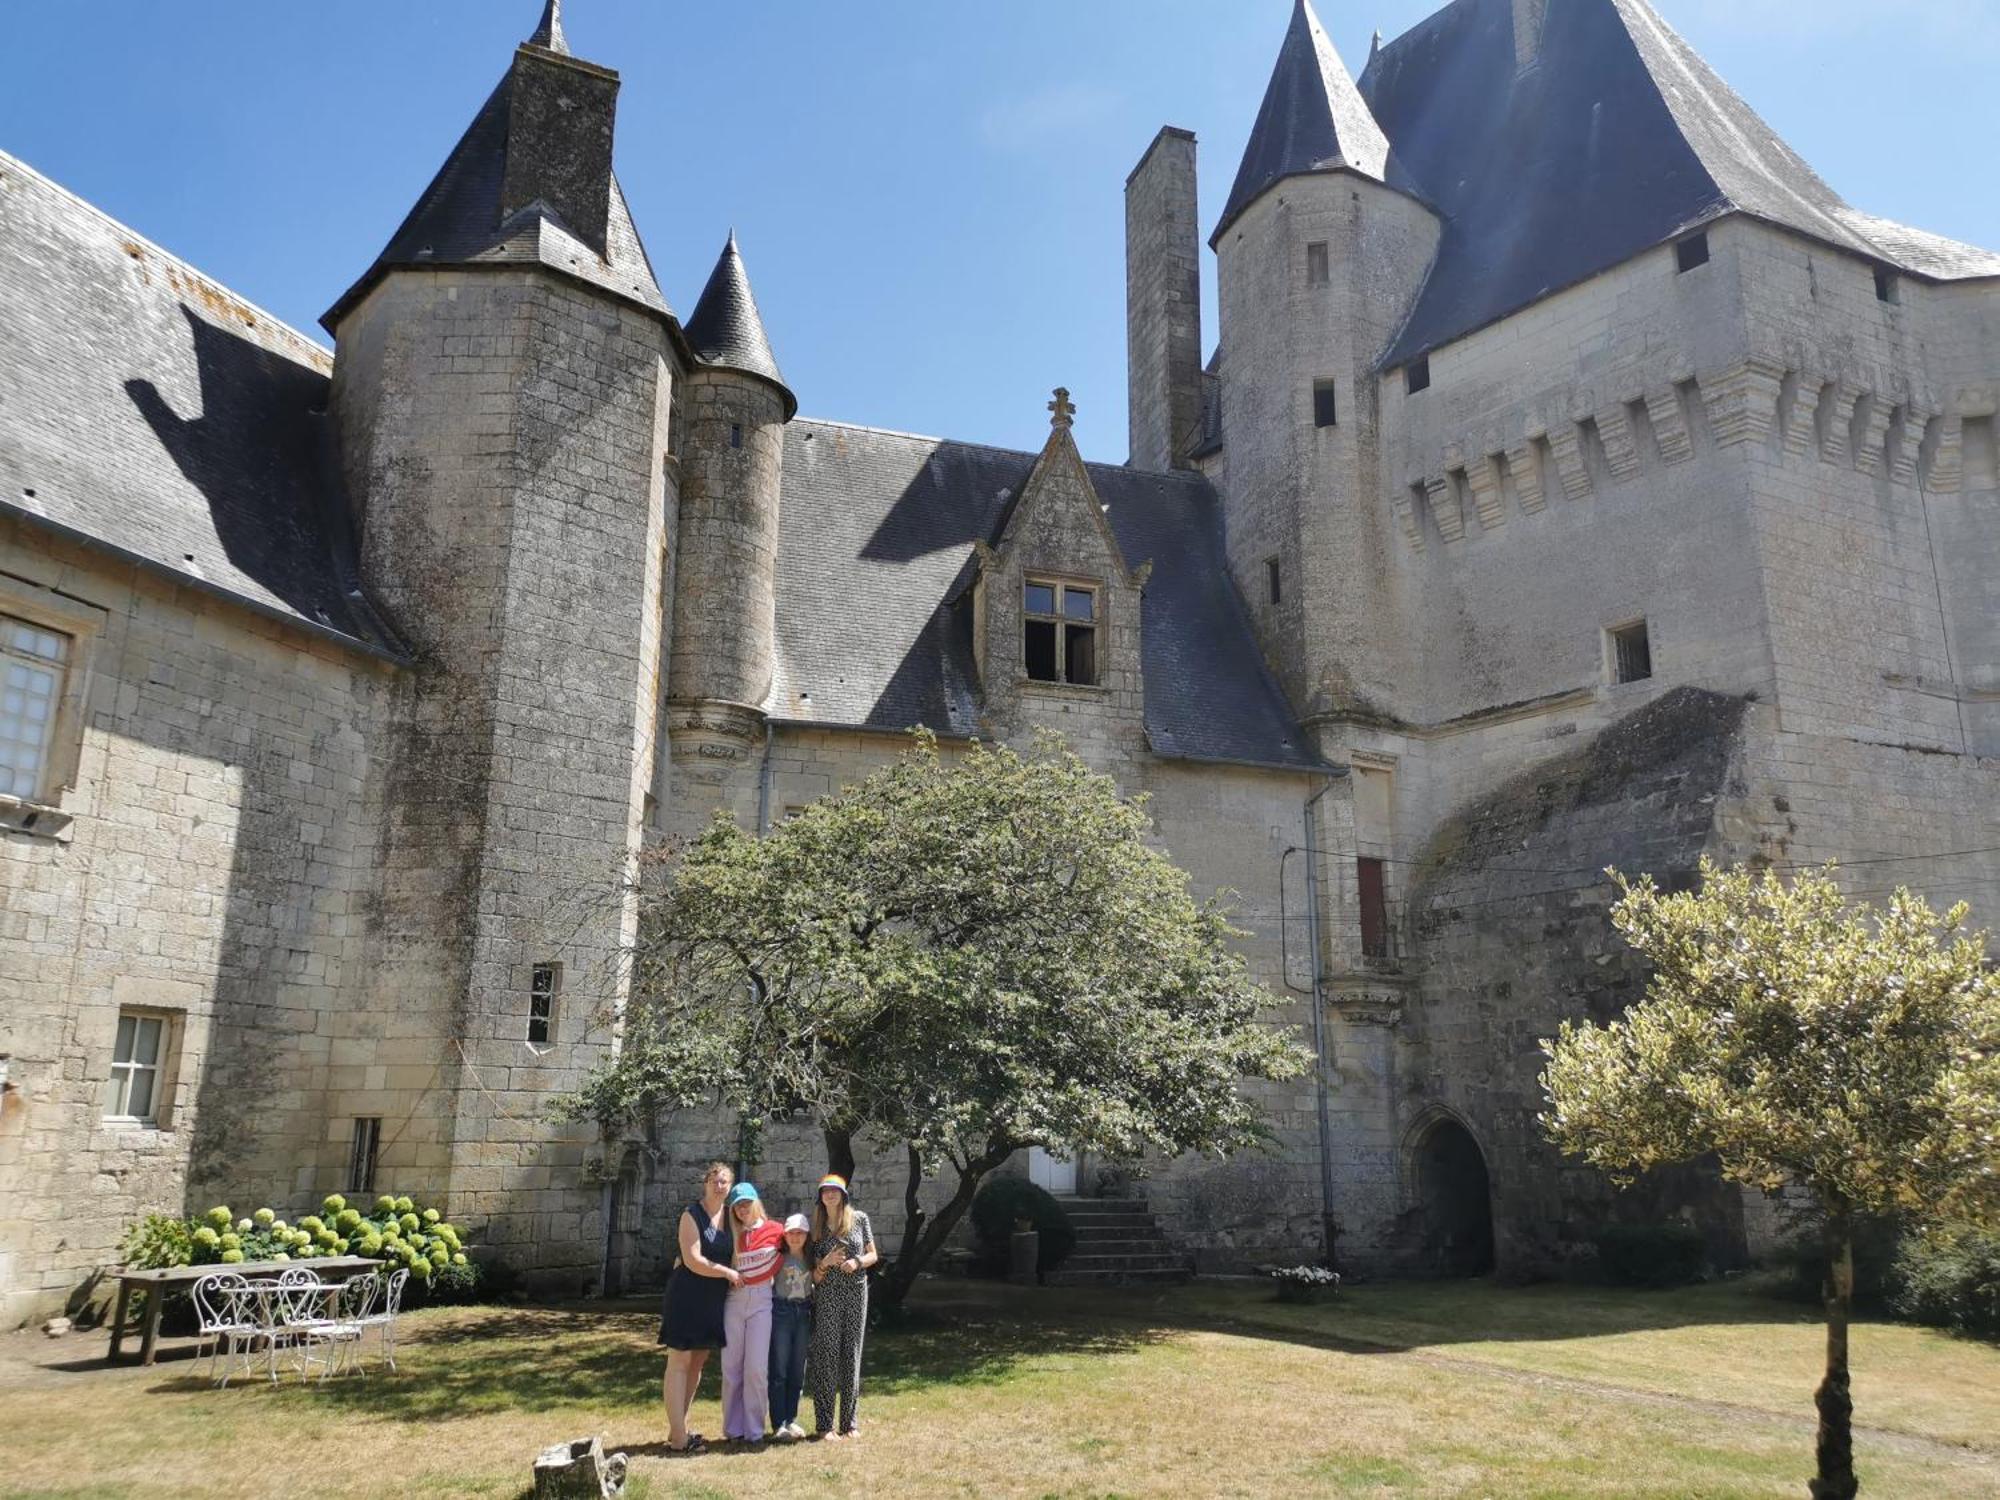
x: 602, y: 1357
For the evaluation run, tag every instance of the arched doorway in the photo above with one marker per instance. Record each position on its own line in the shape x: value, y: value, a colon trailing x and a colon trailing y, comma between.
x: 1456, y: 1198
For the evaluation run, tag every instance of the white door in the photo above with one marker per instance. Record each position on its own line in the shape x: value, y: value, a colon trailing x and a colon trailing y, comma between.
x: 1051, y: 1172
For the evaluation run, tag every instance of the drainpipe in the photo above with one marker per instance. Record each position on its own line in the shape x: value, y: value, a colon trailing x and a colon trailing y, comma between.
x: 1322, y: 1044
x: 764, y: 781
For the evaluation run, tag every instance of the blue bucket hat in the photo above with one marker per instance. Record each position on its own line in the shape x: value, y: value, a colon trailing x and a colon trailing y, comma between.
x: 743, y: 1192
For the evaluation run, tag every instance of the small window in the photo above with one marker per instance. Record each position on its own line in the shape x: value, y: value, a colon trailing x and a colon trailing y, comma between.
x: 1372, y: 891
x: 32, y: 663
x: 1691, y: 252
x: 542, y: 991
x: 1325, y: 411
x: 736, y: 434
x: 1275, y: 578
x: 1316, y: 264
x: 361, y: 1159
x: 1631, y: 653
x: 1888, y: 285
x: 1059, y: 633
x: 1417, y: 376
x: 673, y: 429
x: 133, y: 1090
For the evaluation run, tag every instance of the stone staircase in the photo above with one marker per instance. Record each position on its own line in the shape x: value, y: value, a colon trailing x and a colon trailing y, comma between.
x: 1118, y: 1241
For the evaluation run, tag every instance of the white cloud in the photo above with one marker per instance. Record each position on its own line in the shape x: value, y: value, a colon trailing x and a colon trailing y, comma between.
x: 1041, y: 117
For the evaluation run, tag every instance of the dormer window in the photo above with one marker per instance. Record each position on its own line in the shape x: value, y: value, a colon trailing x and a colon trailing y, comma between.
x: 1059, y: 632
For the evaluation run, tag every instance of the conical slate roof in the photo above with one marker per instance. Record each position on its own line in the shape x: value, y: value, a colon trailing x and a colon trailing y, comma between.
x: 458, y: 219
x: 725, y: 329
x: 1313, y: 117
x: 549, y: 33
x: 1620, y: 138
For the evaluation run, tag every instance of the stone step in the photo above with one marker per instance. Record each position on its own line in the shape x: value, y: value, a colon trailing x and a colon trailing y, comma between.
x: 1121, y: 1227
x: 1104, y: 1205
x: 1154, y: 1258
x: 1151, y: 1244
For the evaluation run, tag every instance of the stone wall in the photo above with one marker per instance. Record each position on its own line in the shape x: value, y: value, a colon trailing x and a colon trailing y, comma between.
x: 226, y: 822
x: 515, y: 509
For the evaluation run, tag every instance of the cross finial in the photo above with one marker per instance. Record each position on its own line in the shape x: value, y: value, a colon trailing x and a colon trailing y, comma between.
x: 550, y: 33
x: 1062, y: 413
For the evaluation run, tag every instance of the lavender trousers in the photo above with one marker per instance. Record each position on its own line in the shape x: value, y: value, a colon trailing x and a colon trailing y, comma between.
x: 746, y: 1362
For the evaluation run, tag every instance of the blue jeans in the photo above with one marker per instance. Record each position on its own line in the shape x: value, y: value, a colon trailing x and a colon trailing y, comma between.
x: 791, y: 1333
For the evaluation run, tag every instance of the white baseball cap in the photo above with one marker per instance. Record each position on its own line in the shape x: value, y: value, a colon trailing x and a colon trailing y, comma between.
x: 799, y: 1222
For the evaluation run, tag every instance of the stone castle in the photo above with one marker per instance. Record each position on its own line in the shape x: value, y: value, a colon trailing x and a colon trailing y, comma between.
x: 1577, y: 481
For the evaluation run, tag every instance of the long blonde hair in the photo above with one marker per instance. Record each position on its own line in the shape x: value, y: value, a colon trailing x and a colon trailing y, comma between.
x: 737, y: 1228
x: 821, y: 1228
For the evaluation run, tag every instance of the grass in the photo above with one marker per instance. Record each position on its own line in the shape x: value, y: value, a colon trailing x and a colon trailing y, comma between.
x: 1445, y: 1390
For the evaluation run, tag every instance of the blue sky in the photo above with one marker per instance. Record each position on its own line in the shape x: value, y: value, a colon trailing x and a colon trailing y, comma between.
x: 928, y: 195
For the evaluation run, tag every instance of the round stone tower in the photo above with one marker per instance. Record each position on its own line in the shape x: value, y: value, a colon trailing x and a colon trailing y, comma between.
x: 733, y: 408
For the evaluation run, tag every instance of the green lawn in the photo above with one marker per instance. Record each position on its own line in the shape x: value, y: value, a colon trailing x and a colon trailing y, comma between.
x: 1458, y: 1390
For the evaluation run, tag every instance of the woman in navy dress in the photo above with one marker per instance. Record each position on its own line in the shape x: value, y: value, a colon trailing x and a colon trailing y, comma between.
x: 691, y: 1317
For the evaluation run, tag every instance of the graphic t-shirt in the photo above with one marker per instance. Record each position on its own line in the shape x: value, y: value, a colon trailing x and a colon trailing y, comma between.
x: 757, y: 1256
x: 795, y: 1279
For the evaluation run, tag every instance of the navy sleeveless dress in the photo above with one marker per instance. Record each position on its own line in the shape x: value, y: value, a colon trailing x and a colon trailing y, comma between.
x: 691, y: 1314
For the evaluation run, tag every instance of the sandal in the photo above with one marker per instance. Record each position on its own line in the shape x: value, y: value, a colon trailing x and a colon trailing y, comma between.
x: 696, y: 1443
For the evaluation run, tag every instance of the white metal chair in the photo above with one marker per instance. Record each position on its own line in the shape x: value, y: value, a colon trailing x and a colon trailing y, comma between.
x: 315, y: 1318
x: 227, y: 1320
x: 383, y: 1308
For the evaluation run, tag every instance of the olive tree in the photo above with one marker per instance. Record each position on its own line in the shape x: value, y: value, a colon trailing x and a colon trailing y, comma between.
x: 958, y: 958
x: 1803, y: 1041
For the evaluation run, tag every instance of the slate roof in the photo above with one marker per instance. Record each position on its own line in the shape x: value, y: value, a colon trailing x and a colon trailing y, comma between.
x: 1312, y: 118
x: 1619, y: 138
x: 875, y: 550
x: 456, y: 221
x: 726, y: 329
x: 151, y: 412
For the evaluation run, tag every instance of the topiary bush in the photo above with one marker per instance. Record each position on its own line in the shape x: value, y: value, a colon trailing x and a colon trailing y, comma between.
x: 1003, y: 1201
x: 1949, y: 1278
x: 1651, y: 1255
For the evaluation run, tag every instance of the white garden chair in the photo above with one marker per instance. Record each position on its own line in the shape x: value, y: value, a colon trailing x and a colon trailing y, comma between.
x: 228, y: 1320
x: 317, y: 1322
x: 383, y: 1308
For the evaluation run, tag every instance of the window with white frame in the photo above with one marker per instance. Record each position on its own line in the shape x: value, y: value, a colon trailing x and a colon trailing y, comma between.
x: 543, y: 987
x: 32, y: 663
x: 137, y: 1055
x: 1059, y: 632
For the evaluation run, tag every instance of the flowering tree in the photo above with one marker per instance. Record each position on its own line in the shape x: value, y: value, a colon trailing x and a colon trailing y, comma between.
x: 1852, y: 1051
x: 958, y: 958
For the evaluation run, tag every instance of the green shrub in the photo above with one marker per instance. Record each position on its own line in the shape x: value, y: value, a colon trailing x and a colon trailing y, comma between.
x: 1001, y: 1202
x: 1950, y: 1278
x: 157, y: 1242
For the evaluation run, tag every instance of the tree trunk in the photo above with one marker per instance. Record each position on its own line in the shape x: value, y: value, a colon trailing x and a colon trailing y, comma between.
x: 920, y: 1247
x: 840, y: 1153
x: 1834, y: 1447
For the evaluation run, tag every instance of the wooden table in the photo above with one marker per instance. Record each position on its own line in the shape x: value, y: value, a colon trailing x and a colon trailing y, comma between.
x: 181, y: 1278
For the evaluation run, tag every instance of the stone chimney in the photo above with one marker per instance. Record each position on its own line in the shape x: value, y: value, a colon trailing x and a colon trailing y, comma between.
x: 1528, y: 18
x: 561, y: 111
x: 1163, y: 303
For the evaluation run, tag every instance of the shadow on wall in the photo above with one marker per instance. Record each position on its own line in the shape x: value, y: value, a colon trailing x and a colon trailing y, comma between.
x: 260, y: 454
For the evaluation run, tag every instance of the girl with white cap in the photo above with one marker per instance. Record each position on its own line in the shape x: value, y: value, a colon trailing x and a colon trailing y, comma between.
x: 791, y: 1328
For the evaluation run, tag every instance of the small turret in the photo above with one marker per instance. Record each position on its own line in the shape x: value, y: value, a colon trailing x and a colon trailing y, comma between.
x: 734, y: 405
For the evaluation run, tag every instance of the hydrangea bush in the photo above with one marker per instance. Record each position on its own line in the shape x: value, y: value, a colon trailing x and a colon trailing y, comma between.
x: 1305, y: 1283
x: 396, y: 1230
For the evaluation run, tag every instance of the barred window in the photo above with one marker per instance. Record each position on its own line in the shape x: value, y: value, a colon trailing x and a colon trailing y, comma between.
x: 1631, y: 653
x: 361, y: 1160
